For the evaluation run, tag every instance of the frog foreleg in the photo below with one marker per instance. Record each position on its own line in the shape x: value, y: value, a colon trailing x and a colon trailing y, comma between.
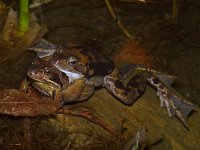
x: 77, y: 91
x: 96, y: 81
x: 24, y: 85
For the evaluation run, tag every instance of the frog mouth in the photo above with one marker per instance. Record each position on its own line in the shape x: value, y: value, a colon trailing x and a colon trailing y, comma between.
x: 40, y: 78
x: 72, y: 74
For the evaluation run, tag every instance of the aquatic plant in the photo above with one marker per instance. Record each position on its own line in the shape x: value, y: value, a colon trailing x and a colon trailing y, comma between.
x: 175, y: 10
x: 23, y: 16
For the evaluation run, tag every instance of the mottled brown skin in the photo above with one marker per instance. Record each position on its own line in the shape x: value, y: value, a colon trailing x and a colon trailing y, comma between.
x: 46, y: 79
x: 51, y: 82
x: 175, y: 104
x: 90, y: 62
x: 79, y: 70
x: 98, y: 71
x: 88, y: 65
x: 28, y: 101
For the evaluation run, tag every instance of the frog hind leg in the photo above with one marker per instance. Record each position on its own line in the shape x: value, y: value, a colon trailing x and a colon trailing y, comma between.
x: 126, y: 94
x: 126, y: 70
x: 171, y: 100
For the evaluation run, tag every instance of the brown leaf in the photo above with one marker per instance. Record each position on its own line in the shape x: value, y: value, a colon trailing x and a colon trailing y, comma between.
x: 133, y: 52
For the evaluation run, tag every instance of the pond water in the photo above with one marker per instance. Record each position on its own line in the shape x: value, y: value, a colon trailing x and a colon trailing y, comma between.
x: 170, y: 47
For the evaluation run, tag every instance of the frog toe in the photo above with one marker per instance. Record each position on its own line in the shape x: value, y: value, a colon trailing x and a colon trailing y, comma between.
x: 176, y: 106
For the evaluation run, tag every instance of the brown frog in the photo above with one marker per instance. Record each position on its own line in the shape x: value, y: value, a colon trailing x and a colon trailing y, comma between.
x: 98, y: 71
x: 45, y: 82
x: 50, y: 81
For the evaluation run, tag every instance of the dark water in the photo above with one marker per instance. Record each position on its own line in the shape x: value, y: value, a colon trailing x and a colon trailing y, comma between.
x: 172, y: 47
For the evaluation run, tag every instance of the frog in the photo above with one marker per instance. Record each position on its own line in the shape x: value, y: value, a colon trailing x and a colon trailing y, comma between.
x: 49, y: 81
x: 41, y: 93
x: 39, y: 76
x: 90, y: 62
x: 77, y: 63
x: 99, y: 71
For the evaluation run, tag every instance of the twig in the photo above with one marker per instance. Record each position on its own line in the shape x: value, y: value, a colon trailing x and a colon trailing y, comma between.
x: 115, y: 17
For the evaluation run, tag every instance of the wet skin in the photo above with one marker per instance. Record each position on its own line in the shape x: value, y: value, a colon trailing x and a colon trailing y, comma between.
x: 49, y: 81
x: 81, y: 63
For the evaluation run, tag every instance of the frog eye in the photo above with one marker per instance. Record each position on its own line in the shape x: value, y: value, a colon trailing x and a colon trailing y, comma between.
x: 72, y: 61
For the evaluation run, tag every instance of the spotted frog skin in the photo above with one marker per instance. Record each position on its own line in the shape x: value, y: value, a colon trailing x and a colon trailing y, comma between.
x: 45, y: 79
x: 49, y: 81
x: 80, y: 63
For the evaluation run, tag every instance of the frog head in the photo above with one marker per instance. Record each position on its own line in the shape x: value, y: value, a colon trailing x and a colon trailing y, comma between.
x: 74, y: 60
x: 85, y: 60
x: 42, y: 71
x: 70, y: 65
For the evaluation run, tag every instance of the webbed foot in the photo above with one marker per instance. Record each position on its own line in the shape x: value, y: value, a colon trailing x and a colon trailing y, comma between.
x: 172, y: 101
